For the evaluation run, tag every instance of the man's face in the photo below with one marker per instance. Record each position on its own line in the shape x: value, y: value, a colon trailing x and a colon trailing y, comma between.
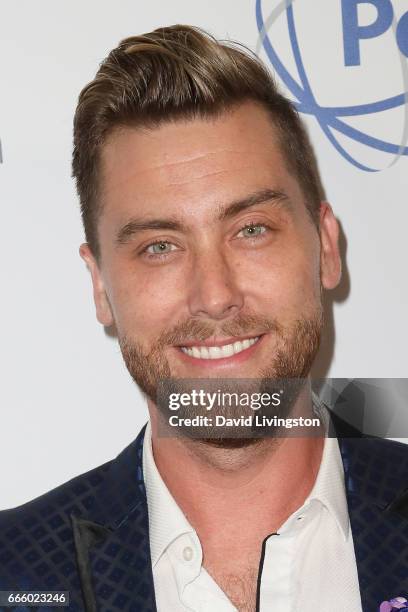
x: 206, y: 243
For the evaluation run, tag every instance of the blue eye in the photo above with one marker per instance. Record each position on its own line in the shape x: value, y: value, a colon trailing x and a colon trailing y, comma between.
x: 159, y: 248
x: 252, y: 230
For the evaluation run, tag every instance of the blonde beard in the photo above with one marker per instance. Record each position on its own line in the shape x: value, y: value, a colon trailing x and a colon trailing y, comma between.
x: 293, y: 359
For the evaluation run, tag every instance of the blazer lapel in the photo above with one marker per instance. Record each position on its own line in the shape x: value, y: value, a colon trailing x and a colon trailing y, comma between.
x: 112, y: 539
x: 376, y: 488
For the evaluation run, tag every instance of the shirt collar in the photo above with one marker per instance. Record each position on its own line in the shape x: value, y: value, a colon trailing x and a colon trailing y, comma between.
x: 329, y: 488
x: 166, y: 519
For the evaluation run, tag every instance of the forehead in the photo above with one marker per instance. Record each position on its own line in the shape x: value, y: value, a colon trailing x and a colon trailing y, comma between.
x: 192, y: 165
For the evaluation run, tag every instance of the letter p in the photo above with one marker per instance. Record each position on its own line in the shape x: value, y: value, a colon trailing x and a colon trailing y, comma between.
x: 353, y: 33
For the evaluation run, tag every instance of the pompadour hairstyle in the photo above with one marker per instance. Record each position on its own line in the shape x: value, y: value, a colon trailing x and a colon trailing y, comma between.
x: 178, y: 72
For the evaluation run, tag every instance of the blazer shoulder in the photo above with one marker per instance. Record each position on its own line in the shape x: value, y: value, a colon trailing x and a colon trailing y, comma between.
x: 91, y: 494
x: 68, y: 496
x: 36, y: 539
x: 377, y: 467
x: 392, y: 453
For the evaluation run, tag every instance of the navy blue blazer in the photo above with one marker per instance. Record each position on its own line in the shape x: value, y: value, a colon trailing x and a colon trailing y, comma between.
x: 90, y: 536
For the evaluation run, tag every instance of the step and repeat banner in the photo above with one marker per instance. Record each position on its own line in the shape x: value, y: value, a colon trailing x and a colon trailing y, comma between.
x: 67, y: 402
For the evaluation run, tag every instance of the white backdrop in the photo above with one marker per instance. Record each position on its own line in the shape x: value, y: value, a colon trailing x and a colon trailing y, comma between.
x: 67, y: 402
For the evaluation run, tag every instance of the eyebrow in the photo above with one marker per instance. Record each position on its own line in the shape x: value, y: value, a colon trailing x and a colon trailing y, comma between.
x: 134, y: 226
x: 259, y: 197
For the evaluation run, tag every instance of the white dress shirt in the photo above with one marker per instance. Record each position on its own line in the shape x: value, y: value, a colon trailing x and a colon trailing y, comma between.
x: 308, y: 566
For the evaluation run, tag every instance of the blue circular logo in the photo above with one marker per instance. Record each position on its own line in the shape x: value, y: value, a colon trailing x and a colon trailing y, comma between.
x: 330, y: 118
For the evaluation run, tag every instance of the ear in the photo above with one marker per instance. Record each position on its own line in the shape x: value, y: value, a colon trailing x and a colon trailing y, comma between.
x: 103, y: 308
x: 330, y: 260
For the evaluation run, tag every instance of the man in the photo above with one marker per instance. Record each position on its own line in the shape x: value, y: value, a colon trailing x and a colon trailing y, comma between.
x: 209, y: 247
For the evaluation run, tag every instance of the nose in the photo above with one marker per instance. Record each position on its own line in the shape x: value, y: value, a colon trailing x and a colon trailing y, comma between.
x: 214, y: 291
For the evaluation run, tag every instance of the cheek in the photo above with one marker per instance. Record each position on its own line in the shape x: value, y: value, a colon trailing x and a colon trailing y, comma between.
x: 286, y: 282
x: 144, y: 305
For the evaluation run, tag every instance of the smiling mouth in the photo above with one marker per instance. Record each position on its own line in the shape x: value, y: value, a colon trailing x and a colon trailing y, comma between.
x: 219, y: 352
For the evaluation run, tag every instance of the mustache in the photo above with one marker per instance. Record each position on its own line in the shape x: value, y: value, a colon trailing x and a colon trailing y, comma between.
x: 194, y: 329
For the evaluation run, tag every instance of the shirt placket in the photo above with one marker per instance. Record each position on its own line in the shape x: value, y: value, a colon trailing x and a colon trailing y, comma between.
x: 277, y: 575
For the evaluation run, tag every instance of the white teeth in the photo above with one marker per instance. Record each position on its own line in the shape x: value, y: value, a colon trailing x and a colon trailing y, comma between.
x: 203, y: 352
x: 217, y: 352
x: 227, y: 350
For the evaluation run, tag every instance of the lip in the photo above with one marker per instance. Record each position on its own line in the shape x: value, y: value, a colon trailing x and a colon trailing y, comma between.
x: 222, y: 362
x: 218, y: 341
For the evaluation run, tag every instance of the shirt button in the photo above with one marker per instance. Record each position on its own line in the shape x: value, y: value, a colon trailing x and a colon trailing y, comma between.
x: 188, y: 553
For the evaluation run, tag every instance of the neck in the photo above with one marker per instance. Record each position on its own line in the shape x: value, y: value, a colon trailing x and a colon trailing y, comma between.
x: 269, y: 479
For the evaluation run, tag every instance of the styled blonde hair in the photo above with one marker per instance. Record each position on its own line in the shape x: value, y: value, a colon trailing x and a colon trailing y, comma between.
x: 172, y: 73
